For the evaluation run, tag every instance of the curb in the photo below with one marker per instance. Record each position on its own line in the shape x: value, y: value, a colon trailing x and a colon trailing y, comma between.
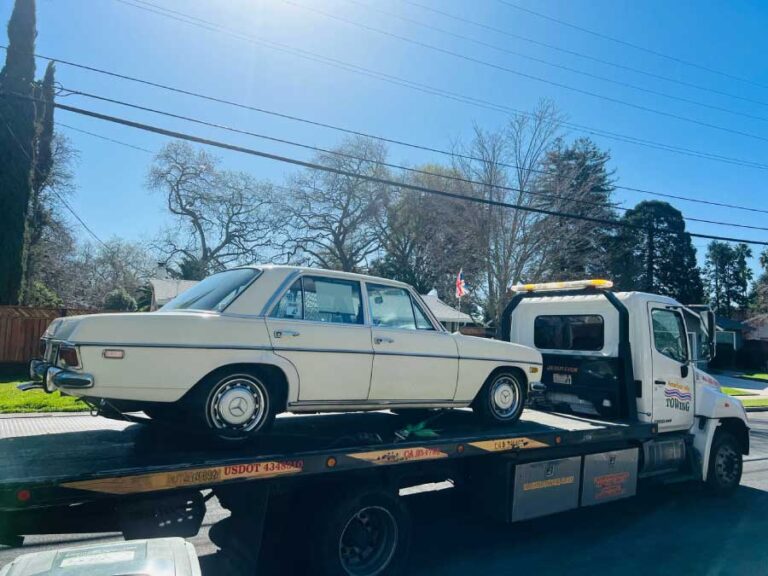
x: 756, y: 408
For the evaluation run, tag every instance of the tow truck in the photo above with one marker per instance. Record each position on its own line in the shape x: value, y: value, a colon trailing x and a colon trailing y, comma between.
x: 620, y: 404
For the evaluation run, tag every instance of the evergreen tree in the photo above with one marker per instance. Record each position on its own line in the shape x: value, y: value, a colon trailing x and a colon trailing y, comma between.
x: 728, y: 276
x: 759, y: 296
x: 578, y: 182
x: 17, y: 137
x: 657, y: 255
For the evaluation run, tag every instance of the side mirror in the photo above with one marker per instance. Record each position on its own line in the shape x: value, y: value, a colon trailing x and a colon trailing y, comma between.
x: 712, y: 328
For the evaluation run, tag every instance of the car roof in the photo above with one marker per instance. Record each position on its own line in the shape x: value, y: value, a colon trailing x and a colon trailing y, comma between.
x: 627, y: 297
x: 325, y: 272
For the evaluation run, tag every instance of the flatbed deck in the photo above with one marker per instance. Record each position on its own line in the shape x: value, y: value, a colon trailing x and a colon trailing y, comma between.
x: 119, y: 459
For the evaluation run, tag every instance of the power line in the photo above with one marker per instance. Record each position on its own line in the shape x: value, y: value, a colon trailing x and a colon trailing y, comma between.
x: 365, y: 177
x: 369, y: 135
x: 542, y: 193
x: 618, y: 65
x: 533, y: 77
x: 631, y: 45
x: 550, y: 63
x: 102, y: 137
x: 427, y: 89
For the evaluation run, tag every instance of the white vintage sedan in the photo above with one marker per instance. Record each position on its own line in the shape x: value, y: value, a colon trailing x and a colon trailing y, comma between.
x: 248, y: 343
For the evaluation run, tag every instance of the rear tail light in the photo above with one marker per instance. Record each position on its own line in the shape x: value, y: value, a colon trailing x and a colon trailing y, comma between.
x: 68, y: 355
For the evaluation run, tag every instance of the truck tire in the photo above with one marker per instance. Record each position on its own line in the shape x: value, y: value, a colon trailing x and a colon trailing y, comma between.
x: 234, y: 406
x: 501, y: 399
x: 361, y: 533
x: 725, y: 464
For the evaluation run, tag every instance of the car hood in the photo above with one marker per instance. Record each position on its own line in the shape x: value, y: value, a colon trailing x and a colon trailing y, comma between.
x: 476, y: 347
x: 187, y: 328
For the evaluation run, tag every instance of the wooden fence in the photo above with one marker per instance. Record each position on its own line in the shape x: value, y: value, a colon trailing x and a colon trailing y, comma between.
x: 21, y: 329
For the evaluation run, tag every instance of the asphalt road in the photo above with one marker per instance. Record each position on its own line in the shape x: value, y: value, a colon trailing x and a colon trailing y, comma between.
x: 677, y: 530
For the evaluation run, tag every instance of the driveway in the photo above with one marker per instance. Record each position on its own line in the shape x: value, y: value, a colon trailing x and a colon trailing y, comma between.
x: 678, y: 530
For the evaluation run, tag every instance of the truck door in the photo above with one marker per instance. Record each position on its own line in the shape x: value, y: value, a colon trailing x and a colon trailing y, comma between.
x: 672, y: 374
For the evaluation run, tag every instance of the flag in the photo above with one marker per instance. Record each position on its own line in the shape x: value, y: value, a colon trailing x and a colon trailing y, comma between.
x: 460, y: 289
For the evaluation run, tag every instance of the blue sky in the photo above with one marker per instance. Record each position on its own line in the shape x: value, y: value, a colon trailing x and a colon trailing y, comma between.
x: 112, y: 196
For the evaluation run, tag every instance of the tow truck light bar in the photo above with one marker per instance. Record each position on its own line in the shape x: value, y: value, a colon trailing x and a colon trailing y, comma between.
x: 571, y: 285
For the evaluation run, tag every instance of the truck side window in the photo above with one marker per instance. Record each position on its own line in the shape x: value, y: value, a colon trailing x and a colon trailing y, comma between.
x: 669, y: 335
x: 583, y: 332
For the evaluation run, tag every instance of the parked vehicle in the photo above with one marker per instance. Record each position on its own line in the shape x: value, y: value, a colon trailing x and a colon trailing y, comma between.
x: 246, y: 344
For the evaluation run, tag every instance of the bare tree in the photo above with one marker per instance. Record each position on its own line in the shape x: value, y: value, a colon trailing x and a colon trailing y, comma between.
x: 222, y: 217
x: 514, y: 242
x: 332, y: 216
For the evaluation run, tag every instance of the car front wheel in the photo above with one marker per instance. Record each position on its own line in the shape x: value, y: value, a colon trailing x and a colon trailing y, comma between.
x: 502, y: 398
x: 234, y: 406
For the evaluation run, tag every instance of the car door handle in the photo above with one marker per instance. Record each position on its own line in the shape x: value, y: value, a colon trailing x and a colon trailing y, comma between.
x: 660, y: 382
x: 383, y: 340
x: 281, y: 333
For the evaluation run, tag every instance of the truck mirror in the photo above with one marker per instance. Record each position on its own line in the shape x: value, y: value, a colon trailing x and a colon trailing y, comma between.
x: 712, y: 327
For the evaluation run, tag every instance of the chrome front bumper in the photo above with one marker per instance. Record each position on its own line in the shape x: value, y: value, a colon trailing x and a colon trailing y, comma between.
x: 49, y: 378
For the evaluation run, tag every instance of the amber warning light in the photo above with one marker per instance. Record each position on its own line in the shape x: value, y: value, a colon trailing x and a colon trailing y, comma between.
x: 570, y: 285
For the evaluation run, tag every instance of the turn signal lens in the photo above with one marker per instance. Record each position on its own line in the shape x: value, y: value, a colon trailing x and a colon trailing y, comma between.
x: 68, y: 355
x: 533, y: 369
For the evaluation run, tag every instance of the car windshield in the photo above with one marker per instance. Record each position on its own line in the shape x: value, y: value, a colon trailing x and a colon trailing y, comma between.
x: 215, y: 292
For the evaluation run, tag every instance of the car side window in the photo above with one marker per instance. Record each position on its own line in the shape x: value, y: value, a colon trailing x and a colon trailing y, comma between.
x: 392, y: 307
x: 332, y: 300
x: 669, y: 335
x: 291, y: 305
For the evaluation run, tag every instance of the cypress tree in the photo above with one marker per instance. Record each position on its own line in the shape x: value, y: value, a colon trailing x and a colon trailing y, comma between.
x: 17, y: 137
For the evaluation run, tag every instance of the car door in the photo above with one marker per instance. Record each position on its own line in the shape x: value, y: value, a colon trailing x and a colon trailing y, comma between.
x: 672, y: 374
x: 319, y: 325
x: 413, y: 360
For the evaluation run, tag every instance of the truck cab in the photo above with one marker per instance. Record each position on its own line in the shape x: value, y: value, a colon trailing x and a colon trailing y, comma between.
x: 626, y: 355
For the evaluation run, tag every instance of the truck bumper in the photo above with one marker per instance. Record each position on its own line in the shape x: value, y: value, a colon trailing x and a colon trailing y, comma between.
x: 49, y: 378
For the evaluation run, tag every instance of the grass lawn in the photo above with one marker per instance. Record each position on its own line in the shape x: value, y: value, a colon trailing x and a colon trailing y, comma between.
x: 755, y: 402
x: 737, y: 391
x: 758, y: 376
x: 14, y: 401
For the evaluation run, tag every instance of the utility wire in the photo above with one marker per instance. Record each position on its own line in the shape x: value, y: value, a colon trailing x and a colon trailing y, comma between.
x: 504, y: 50
x: 507, y: 69
x: 105, y: 138
x: 454, y: 178
x: 431, y: 90
x: 631, y: 45
x: 618, y: 65
x: 372, y: 136
x: 368, y: 178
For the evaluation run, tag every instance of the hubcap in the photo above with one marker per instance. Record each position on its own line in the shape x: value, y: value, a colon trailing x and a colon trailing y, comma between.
x: 727, y: 464
x: 505, y: 398
x: 237, y: 404
x: 368, y: 542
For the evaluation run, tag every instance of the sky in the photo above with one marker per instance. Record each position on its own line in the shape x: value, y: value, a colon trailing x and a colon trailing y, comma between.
x: 716, y: 101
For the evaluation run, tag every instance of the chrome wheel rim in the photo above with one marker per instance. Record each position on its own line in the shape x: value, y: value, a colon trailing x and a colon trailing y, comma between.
x: 368, y: 542
x: 505, y: 397
x: 237, y: 404
x: 727, y: 465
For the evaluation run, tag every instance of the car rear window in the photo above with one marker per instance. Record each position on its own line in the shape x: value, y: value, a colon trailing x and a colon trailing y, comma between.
x: 215, y: 292
x: 569, y: 332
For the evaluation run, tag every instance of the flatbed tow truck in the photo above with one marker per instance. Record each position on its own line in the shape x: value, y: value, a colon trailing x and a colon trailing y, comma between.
x: 332, y: 482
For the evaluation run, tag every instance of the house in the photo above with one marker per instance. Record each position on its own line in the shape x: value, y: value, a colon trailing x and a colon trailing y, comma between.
x: 757, y: 328
x: 730, y: 332
x: 166, y: 289
x: 448, y: 316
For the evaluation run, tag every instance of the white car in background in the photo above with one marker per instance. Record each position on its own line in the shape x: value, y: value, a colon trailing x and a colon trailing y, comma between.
x: 246, y: 344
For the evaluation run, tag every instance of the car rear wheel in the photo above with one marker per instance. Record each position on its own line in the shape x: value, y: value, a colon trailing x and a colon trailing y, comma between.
x: 234, y: 406
x: 502, y: 398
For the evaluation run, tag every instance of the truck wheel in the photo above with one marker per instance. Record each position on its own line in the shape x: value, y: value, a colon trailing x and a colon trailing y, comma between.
x: 502, y: 398
x: 363, y: 534
x: 235, y: 406
x: 725, y: 463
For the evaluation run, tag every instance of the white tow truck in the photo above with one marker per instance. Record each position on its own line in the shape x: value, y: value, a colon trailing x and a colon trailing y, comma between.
x: 619, y: 403
x: 631, y: 355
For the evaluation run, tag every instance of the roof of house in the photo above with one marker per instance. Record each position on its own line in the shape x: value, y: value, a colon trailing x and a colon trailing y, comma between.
x: 166, y: 289
x: 444, y: 312
x: 728, y: 324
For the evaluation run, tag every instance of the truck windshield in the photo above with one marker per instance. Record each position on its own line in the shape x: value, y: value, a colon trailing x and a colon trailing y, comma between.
x: 215, y: 292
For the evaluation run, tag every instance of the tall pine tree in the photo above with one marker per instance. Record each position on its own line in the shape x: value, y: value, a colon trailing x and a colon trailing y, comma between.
x: 17, y: 137
x: 728, y: 275
x: 657, y: 254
